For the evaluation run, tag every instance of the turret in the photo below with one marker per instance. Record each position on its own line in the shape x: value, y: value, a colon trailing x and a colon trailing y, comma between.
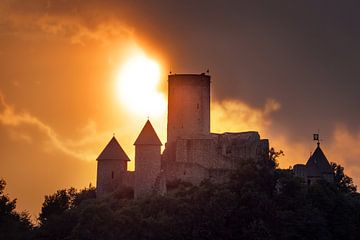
x: 111, y: 167
x: 147, y: 161
x: 318, y: 167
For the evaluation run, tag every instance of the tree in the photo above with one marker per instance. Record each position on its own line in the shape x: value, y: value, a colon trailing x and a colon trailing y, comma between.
x: 275, y: 155
x: 258, y: 201
x: 56, y: 204
x: 63, y: 200
x: 343, y: 182
x: 13, y: 225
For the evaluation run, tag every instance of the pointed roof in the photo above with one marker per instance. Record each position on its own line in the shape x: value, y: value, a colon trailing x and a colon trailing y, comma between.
x: 113, y: 151
x: 148, y: 136
x: 318, y: 163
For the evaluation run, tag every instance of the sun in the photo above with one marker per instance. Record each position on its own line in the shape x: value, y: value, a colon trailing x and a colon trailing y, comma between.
x: 137, y: 86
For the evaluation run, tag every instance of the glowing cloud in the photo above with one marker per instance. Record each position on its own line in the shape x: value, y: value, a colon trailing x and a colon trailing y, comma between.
x: 236, y: 116
x: 9, y: 117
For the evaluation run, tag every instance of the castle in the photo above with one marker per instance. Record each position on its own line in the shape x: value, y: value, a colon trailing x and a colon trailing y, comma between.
x: 192, y: 153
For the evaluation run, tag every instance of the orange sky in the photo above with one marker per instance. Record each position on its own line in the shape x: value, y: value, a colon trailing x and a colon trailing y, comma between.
x: 60, y: 104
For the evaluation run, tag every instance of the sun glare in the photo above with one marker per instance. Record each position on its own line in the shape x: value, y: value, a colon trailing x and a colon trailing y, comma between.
x: 137, y: 86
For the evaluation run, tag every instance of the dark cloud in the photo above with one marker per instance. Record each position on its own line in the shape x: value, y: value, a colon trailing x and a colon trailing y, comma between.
x: 304, y: 54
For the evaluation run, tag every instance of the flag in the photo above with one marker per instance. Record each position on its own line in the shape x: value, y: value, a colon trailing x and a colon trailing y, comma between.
x: 316, y: 137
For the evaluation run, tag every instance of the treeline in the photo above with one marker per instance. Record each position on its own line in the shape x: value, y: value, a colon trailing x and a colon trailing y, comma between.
x: 257, y: 202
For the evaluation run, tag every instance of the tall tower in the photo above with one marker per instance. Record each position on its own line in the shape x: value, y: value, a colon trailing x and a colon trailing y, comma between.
x: 147, y: 161
x: 188, y: 106
x: 111, y: 167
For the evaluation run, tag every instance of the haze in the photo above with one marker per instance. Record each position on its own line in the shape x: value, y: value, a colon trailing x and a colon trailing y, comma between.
x: 286, y: 69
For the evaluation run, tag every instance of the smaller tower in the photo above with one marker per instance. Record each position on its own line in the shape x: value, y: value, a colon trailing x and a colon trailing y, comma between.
x: 316, y: 168
x: 147, y: 161
x: 111, y: 167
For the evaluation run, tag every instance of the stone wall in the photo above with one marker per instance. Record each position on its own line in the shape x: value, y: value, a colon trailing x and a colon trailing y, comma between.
x: 235, y: 147
x: 147, y: 169
x: 199, y: 151
x: 300, y: 171
x: 194, y: 160
x: 128, y: 179
x: 188, y: 106
x: 110, y: 174
x: 187, y: 172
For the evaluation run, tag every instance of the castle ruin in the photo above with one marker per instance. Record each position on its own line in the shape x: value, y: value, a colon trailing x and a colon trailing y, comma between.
x: 192, y: 153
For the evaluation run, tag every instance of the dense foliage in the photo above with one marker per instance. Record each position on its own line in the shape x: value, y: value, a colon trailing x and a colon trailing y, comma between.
x: 12, y: 224
x: 257, y: 202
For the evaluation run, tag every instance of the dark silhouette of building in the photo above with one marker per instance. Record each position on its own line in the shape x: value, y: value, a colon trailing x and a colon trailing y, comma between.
x: 316, y: 168
x: 192, y: 153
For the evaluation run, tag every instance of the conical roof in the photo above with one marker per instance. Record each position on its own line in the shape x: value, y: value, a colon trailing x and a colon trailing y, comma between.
x: 113, y: 151
x: 318, y: 163
x: 148, y: 136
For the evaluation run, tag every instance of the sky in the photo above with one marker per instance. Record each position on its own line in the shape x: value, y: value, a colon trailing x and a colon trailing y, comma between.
x: 287, y: 69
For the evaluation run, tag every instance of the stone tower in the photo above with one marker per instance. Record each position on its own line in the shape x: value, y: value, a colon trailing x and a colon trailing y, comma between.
x: 111, y: 167
x: 188, y: 106
x: 147, y: 161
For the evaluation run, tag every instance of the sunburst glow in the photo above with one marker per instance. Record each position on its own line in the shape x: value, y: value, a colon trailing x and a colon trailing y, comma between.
x: 137, y: 86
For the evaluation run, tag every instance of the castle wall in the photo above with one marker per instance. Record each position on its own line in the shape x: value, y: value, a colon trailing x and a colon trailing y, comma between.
x: 215, y: 157
x: 188, y: 106
x: 219, y: 175
x: 128, y: 179
x: 109, y: 175
x: 300, y: 171
x: 187, y: 172
x: 221, y: 151
x: 200, y: 151
x: 147, y: 169
x: 194, y: 160
x: 238, y: 146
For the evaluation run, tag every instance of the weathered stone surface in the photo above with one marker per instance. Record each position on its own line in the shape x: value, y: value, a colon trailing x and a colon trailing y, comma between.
x: 214, y: 157
x: 147, y: 162
x: 188, y: 106
x: 147, y: 169
x: 110, y: 175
